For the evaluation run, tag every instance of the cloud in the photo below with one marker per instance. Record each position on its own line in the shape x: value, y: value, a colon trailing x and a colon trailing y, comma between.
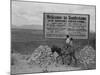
x: 32, y: 13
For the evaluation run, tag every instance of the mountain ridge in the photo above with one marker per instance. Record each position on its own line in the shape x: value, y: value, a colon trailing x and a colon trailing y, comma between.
x: 38, y: 27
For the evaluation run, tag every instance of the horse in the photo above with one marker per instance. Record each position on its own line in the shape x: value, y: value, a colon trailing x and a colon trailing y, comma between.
x: 63, y: 53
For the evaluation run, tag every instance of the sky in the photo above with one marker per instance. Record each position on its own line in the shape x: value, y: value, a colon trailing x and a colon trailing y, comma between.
x: 31, y: 13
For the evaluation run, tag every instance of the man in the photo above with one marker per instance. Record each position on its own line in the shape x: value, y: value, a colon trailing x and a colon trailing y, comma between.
x: 69, y: 41
x: 69, y: 51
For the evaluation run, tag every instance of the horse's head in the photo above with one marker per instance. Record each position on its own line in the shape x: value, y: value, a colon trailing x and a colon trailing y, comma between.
x: 56, y: 49
x: 53, y: 48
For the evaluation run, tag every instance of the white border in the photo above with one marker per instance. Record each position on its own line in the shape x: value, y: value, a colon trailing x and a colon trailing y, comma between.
x: 5, y: 36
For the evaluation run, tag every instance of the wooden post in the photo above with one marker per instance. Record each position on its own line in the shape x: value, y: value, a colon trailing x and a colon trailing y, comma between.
x: 88, y: 29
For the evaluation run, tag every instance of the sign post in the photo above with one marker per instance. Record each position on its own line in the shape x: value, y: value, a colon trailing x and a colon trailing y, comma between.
x: 58, y: 25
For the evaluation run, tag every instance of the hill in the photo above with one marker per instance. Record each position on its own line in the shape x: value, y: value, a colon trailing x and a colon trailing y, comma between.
x: 36, y: 27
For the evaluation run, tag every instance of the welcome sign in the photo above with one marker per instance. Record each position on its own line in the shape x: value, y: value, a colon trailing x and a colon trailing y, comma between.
x: 58, y: 25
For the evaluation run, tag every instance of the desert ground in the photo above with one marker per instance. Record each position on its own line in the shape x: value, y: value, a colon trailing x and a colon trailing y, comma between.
x: 25, y: 41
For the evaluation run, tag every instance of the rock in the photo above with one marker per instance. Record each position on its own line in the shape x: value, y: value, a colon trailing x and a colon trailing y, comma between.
x: 42, y: 56
x: 87, y: 56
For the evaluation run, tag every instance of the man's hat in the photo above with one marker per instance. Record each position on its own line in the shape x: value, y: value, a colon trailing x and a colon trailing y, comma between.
x: 67, y: 35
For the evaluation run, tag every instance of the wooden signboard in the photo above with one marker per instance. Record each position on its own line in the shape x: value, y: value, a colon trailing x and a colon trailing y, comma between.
x: 58, y: 25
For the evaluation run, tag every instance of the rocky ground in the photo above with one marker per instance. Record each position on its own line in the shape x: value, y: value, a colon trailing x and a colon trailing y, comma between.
x: 23, y: 67
x: 41, y: 61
